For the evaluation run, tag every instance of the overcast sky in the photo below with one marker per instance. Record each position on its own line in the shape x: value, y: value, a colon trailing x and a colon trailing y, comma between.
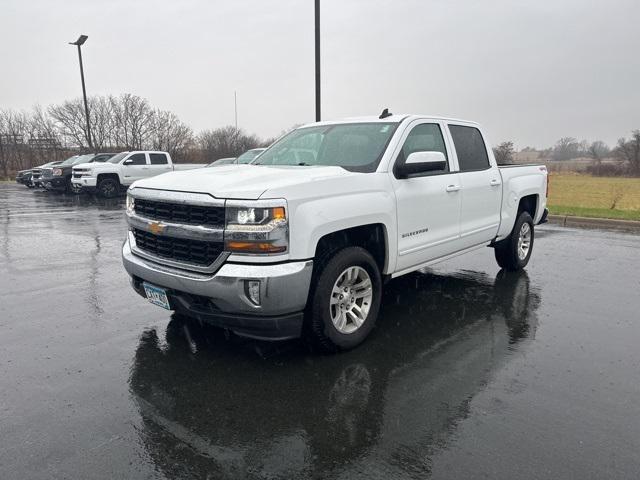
x: 530, y: 71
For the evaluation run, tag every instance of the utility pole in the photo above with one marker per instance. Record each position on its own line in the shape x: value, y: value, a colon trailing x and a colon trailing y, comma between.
x: 317, y: 18
x: 79, y: 43
x: 235, y: 103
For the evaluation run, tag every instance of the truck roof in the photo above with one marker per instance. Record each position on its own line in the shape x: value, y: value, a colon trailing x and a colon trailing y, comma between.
x: 395, y: 118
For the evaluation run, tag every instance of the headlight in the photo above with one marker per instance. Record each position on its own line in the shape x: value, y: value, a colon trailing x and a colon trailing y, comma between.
x: 256, y: 227
x: 57, y: 172
x: 131, y: 204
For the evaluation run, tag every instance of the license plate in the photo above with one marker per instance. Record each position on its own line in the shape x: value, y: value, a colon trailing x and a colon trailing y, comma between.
x: 156, y: 295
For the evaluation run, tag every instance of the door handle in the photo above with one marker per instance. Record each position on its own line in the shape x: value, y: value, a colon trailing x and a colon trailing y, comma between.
x: 453, y: 188
x: 494, y: 182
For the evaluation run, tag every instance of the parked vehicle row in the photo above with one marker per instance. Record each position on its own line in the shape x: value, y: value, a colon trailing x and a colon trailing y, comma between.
x: 301, y: 240
x: 106, y: 174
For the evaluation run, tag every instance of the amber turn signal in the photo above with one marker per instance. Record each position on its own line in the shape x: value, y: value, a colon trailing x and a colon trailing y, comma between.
x: 254, y: 247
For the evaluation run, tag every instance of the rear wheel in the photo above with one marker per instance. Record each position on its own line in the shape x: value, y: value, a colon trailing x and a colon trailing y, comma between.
x: 108, y: 187
x: 346, y: 300
x: 513, y: 253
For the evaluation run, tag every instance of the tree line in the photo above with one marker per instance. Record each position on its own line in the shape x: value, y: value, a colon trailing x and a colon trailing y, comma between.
x: 117, y: 123
x: 626, y: 152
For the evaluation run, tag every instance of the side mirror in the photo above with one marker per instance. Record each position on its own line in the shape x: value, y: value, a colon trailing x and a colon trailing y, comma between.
x: 128, y: 161
x: 422, y: 162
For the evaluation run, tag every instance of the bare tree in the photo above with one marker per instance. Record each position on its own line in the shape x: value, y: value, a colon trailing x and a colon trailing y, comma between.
x: 598, y: 150
x: 226, y: 142
x: 629, y: 151
x: 170, y: 134
x: 566, y: 148
x: 504, y: 153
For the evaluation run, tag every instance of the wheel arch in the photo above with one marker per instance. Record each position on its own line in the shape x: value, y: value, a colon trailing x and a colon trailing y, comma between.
x: 373, y: 237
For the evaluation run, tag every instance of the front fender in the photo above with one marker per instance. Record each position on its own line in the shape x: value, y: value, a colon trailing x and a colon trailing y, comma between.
x: 314, y: 218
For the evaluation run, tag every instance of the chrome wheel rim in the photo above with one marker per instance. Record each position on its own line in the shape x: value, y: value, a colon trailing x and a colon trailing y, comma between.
x: 524, y: 241
x: 351, y: 299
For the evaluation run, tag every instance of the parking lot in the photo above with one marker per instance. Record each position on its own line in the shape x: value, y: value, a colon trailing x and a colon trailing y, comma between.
x: 469, y: 373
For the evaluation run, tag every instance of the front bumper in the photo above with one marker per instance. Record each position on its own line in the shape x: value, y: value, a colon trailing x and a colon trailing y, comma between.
x: 55, y: 183
x: 85, y: 182
x: 220, y: 298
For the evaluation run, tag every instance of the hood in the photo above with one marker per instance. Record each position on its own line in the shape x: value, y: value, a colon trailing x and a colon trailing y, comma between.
x: 240, y: 181
x: 88, y: 165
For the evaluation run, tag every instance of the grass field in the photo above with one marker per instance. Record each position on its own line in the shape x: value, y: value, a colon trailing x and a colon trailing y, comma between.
x: 586, y: 196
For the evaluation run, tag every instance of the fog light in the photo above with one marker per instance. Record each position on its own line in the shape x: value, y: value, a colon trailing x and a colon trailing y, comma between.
x: 252, y: 290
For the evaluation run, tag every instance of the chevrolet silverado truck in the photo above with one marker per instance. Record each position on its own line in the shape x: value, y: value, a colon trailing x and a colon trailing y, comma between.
x: 283, y: 247
x: 113, y: 176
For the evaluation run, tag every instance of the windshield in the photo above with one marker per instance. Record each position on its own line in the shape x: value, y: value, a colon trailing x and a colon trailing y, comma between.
x: 83, y: 159
x: 117, y: 158
x: 249, y: 155
x: 356, y: 147
x: 68, y: 161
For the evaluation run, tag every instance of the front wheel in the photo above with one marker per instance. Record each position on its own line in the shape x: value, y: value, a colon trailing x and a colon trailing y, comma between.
x: 346, y: 300
x: 108, y: 188
x: 513, y: 253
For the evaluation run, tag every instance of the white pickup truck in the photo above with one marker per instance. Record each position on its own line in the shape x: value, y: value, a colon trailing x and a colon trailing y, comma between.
x: 284, y: 247
x: 107, y: 179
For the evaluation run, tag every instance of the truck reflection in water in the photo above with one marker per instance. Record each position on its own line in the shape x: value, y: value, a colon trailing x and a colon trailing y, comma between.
x: 219, y: 408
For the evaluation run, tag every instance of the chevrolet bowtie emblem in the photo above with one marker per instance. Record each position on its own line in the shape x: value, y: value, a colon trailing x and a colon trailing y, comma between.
x: 156, y: 228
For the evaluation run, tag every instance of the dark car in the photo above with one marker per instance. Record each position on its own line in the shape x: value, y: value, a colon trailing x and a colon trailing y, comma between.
x: 29, y: 177
x: 58, y: 178
x: 24, y: 177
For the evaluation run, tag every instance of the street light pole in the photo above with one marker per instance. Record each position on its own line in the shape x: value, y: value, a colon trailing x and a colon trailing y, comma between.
x: 317, y: 18
x: 78, y: 43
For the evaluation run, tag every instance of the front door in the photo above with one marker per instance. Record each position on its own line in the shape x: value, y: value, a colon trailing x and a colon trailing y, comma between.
x: 134, y: 168
x: 428, y: 205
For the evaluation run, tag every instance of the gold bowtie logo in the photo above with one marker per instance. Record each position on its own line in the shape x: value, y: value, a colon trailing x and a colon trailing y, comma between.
x: 156, y: 228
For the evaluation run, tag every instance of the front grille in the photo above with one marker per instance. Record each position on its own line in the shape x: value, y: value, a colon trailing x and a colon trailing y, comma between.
x: 180, y: 213
x: 178, y: 249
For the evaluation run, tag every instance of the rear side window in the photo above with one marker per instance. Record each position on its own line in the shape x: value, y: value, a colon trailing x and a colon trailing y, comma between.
x: 470, y: 147
x: 158, y: 159
x: 137, y: 159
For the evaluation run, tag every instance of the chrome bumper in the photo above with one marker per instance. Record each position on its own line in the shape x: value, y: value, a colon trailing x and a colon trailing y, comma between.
x: 284, y: 287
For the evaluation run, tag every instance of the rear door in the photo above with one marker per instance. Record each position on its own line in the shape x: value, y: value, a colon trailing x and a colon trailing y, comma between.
x: 158, y: 163
x: 428, y: 205
x: 480, y: 183
x: 135, y: 167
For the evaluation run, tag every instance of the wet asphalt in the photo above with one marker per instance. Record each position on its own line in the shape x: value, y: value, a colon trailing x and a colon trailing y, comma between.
x: 470, y: 373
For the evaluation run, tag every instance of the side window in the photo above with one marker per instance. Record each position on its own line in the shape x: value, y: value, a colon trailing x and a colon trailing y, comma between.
x: 137, y: 159
x: 158, y: 159
x: 470, y: 147
x: 426, y: 137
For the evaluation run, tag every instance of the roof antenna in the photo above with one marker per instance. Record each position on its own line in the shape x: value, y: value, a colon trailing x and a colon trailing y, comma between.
x: 385, y: 113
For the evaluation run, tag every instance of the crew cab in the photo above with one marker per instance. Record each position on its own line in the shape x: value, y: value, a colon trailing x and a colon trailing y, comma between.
x: 109, y: 178
x: 283, y: 247
x: 58, y: 178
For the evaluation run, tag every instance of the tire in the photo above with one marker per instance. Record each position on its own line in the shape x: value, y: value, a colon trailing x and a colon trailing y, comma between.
x: 347, y: 268
x: 108, y: 188
x: 510, y: 253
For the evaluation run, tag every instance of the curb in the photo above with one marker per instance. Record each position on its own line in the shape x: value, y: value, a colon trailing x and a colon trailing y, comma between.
x: 587, y: 222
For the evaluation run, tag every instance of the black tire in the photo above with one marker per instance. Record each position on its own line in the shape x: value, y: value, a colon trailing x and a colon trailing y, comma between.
x: 506, y: 251
x: 321, y: 328
x: 108, y: 188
